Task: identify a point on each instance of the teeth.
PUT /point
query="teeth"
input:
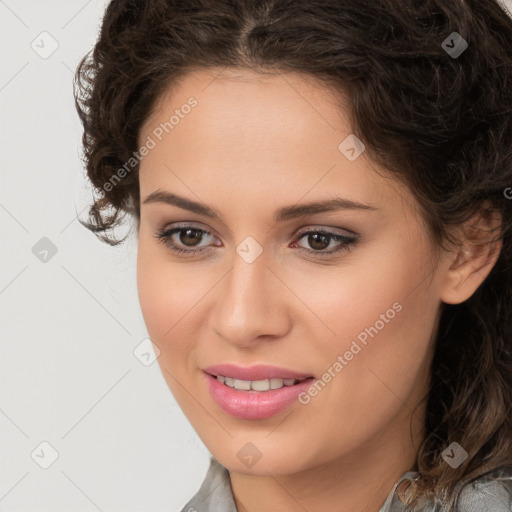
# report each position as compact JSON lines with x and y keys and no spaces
{"x":256,"y":385}
{"x":245,"y":385}
{"x":276,"y":383}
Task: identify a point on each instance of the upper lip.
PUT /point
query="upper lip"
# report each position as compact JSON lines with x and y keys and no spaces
{"x":256,"y":372}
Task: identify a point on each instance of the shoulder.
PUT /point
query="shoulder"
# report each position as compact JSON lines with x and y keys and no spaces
{"x":489,"y":493}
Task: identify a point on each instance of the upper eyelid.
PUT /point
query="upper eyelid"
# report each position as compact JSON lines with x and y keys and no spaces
{"x":185,"y":225}
{"x":330,"y":231}
{"x":300,"y":231}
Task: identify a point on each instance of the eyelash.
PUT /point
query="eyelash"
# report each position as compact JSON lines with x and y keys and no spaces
{"x":348,"y":241}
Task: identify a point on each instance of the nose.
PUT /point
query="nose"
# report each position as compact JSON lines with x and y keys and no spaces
{"x":251,"y":304}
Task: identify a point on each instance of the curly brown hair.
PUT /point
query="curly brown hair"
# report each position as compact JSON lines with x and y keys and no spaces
{"x":440,"y":122}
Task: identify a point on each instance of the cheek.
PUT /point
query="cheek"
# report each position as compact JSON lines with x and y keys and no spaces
{"x":165,"y":292}
{"x":172,"y":298}
{"x":379,"y":317}
{"x":368,"y":288}
{"x":170,"y":295}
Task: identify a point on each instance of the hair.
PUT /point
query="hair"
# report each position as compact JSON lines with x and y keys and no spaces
{"x":440,"y":123}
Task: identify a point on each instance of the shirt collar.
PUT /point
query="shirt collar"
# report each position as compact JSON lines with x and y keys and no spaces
{"x":216,"y":495}
{"x":492,"y":494}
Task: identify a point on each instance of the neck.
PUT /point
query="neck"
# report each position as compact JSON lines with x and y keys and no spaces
{"x":358,"y":481}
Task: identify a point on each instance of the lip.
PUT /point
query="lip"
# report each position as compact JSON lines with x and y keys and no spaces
{"x":256,"y":372}
{"x":254,"y":405}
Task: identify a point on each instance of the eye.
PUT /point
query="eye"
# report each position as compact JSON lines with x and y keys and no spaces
{"x":321,"y":239}
{"x":188,"y":240}
{"x":187,"y":236}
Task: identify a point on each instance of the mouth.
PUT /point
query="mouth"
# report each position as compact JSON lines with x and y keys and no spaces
{"x":255,"y":393}
{"x":257,"y":385}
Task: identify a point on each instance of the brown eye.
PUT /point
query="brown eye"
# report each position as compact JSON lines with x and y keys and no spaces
{"x":190,"y":237}
{"x":320,"y":240}
{"x":177,"y":239}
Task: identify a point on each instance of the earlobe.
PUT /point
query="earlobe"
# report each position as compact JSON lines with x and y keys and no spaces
{"x":472,"y":262}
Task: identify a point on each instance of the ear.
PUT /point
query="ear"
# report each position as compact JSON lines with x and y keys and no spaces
{"x":474,"y":257}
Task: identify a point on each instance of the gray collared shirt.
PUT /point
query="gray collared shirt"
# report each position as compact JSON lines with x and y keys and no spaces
{"x":481,"y":495}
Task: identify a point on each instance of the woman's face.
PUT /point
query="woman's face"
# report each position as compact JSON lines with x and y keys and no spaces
{"x":260,"y":177}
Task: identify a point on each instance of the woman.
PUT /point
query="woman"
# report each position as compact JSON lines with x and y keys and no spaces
{"x":321,"y":196}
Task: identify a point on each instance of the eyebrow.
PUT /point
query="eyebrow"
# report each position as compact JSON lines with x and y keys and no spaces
{"x":285,"y":213}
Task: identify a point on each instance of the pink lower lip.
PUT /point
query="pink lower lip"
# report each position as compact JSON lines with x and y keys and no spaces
{"x":254,"y":405}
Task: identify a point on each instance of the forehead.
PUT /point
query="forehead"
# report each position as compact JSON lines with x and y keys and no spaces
{"x":250,"y":134}
{"x":253,"y":107}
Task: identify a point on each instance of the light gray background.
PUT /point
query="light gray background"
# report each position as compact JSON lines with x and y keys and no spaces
{"x":70,"y":324}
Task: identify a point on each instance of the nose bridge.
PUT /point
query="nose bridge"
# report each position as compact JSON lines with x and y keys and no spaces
{"x":245,"y":291}
{"x":249,"y":304}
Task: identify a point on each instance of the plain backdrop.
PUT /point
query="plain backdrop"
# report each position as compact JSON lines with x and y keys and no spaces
{"x":70,"y":316}
{"x":85,"y":425}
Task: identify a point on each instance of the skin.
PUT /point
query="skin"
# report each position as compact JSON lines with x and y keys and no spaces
{"x":252,"y":145}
